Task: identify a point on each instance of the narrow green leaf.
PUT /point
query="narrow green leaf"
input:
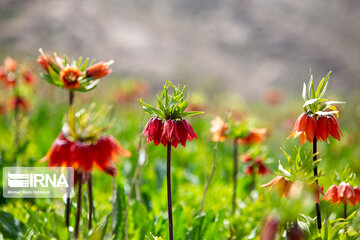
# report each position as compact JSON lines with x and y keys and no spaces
{"x":187,"y":114}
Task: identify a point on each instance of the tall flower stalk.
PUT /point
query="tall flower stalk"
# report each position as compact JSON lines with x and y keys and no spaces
{"x":317,"y":123}
{"x":168,"y":127}
{"x":76,"y":75}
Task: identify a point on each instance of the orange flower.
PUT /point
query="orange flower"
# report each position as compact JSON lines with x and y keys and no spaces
{"x":344,"y":193}
{"x":10,"y":64}
{"x":70,"y":77}
{"x":305,"y":127}
{"x":218,"y":129}
{"x":281,"y":184}
{"x":99,"y":70}
{"x":82,"y":156}
{"x":256,"y":136}
{"x":327,"y":126}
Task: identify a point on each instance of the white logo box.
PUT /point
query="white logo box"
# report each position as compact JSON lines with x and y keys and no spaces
{"x":38,"y":182}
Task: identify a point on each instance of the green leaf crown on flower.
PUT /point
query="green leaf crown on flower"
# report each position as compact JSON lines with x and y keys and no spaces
{"x":170,"y":106}
{"x":314,"y":99}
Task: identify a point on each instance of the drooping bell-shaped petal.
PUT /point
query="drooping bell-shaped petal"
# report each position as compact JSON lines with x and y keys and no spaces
{"x":59,"y":153}
{"x":305,"y":127}
{"x":346,"y":193}
{"x":334,"y":127}
{"x":322,"y":131}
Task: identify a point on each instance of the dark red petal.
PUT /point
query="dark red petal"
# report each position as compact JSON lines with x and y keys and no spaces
{"x":183,"y":132}
{"x":153,"y":128}
{"x":189,"y":128}
{"x":263,"y":169}
{"x":176,"y":133}
{"x":168,"y":129}
{"x":59,"y":154}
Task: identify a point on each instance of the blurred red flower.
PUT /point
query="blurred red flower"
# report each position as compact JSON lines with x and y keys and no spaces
{"x":255,"y":136}
{"x":70,"y":77}
{"x":19,"y":103}
{"x":254,"y":165}
{"x":172,"y":131}
{"x":82,"y":156}
{"x":99,"y":70}
{"x":29,"y":77}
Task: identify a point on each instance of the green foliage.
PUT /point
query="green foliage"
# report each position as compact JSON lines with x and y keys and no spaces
{"x":332,"y":229}
{"x":300,"y":166}
{"x":315,"y":101}
{"x":170,"y":106}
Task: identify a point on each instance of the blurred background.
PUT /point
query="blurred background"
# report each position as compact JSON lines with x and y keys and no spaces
{"x":243,"y":47}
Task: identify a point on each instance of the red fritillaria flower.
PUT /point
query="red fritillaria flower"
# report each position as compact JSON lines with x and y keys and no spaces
{"x":82,"y":156}
{"x":327,"y":126}
{"x":305,"y":127}
{"x":99,"y":70}
{"x":344,"y":193}
{"x":172,"y":131}
{"x":70,"y":77}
